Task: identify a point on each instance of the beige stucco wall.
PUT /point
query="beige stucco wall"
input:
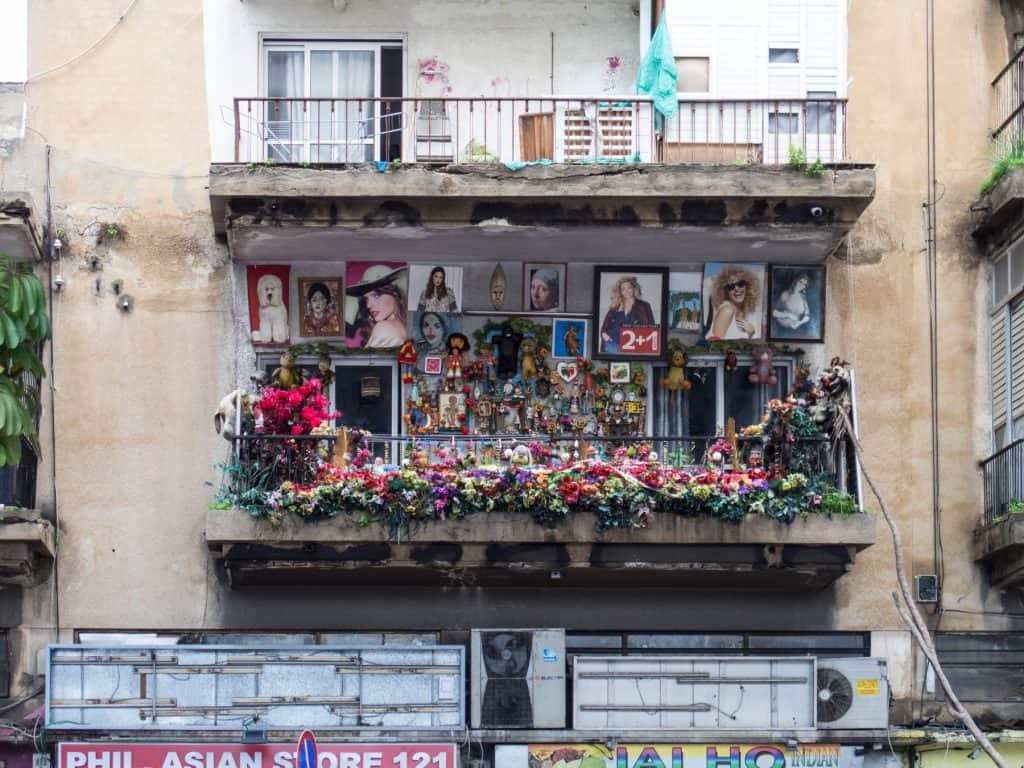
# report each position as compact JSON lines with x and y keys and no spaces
{"x":130,"y":136}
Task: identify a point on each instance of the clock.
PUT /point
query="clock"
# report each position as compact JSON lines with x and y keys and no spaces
{"x":618,"y":396}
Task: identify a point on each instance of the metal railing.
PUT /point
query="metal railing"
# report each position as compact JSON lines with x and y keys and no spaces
{"x":1003,"y":474}
{"x":264,"y":462}
{"x":523,"y":129}
{"x":1009,"y":97}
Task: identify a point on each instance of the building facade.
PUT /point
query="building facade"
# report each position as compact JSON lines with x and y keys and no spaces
{"x":216,"y":191}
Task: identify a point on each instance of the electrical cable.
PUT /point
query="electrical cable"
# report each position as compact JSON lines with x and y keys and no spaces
{"x":53,"y":398}
{"x":87,"y":51}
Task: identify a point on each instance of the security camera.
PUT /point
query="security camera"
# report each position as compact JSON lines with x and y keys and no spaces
{"x":58,"y":283}
{"x":817,"y":211}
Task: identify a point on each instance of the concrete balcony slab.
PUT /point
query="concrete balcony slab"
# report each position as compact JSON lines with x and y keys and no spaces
{"x":660,"y":212}
{"x":27,"y":550}
{"x":506,"y":550}
{"x":1001,"y":546}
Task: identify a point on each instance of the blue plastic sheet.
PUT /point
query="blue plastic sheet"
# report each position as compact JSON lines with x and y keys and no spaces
{"x":657,"y":76}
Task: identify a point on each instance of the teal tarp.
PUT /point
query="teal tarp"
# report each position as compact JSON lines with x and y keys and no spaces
{"x":657,"y":76}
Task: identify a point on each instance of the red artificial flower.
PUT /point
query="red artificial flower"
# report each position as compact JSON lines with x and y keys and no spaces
{"x":465,"y":430}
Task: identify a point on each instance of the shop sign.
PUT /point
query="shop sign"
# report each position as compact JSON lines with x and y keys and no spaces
{"x":683,"y":756}
{"x":129,"y":755}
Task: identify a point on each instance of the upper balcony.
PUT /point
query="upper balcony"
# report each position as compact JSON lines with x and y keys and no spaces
{"x":999,"y":540}
{"x":722,"y":177}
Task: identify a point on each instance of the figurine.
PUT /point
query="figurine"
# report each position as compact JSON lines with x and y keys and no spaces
{"x":571,"y":339}
{"x":527,"y":359}
{"x":325,"y":373}
{"x":287,"y":376}
{"x":407,"y":357}
{"x":457,"y":344}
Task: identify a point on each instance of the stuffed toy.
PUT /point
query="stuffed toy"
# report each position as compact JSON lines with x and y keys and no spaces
{"x":676,"y":378}
{"x":730,"y":361}
{"x":762,"y":371}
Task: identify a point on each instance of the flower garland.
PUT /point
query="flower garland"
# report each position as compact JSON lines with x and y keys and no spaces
{"x":622,"y":494}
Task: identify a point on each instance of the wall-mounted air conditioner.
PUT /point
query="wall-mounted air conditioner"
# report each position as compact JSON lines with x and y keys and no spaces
{"x":693,"y":692}
{"x":852,"y":693}
{"x":518,"y":678}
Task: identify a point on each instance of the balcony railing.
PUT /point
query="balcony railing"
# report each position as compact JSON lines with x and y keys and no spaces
{"x":1009,"y":96}
{"x":1004,"y":480}
{"x":562,"y":129}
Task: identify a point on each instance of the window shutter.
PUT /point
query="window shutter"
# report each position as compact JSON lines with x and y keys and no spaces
{"x":998,"y":367}
{"x":1016,"y":359}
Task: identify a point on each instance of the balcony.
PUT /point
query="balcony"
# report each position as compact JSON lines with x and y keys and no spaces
{"x":291,"y":513}
{"x":473,"y":174}
{"x":999,"y":540}
{"x":27,"y":547}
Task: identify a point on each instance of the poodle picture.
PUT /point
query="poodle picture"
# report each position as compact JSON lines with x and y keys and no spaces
{"x":272,"y":327}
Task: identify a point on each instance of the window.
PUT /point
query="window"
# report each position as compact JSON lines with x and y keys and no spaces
{"x":341,"y":122}
{"x":783,"y":122}
{"x":783,"y":55}
{"x":821,"y":115}
{"x":1006,"y":346}
{"x":715,"y":396}
{"x":694,"y":74}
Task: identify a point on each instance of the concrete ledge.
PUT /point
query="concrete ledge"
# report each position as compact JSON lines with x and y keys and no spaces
{"x":509,"y":550}
{"x":858,"y":531}
{"x":1001,"y":546}
{"x":1003,"y":207}
{"x":26,"y":551}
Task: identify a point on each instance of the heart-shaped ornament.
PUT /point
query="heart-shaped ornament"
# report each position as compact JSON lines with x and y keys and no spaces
{"x":567,"y":371}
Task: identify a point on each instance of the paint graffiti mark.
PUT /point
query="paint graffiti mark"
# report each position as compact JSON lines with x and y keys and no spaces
{"x":612,"y":74}
{"x":433,"y":73}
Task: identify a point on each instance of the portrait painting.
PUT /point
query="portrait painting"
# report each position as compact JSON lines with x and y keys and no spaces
{"x":267,"y":286}
{"x":733,"y":296}
{"x":319,"y":298}
{"x":568,"y":338}
{"x":543,"y":287}
{"x":435,"y":288}
{"x":376,"y":294}
{"x":684,"y":302}
{"x":630,"y":313}
{"x":796,"y":308}
{"x":451,"y":411}
{"x":429,"y":331}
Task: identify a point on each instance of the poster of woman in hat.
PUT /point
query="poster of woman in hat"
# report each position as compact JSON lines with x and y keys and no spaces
{"x":375,"y":304}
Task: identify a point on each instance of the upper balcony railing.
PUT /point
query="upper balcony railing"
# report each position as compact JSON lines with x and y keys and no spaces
{"x":1009,"y":95}
{"x":561,"y":129}
{"x":1003,"y":473}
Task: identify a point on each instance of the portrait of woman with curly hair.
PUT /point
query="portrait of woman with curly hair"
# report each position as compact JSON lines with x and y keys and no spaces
{"x":733,"y":298}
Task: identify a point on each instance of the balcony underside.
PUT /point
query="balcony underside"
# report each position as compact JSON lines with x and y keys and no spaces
{"x":663,"y":213}
{"x":27,"y":550}
{"x":1001,"y":546}
{"x":504,"y":550}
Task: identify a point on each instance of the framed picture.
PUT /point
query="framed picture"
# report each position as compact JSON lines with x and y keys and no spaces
{"x":796,"y":307}
{"x":451,"y":411}
{"x":543,"y":287}
{"x":375,"y":304}
{"x":568,"y":338}
{"x":434,"y":288}
{"x":319,"y":297}
{"x":684,"y":302}
{"x":733,"y":301}
{"x":432,"y":365}
{"x":630,"y":315}
{"x":618,"y":373}
{"x":267,"y":287}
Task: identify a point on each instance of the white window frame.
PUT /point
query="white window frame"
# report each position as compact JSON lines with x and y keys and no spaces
{"x":308,"y":46}
{"x":717,"y":361}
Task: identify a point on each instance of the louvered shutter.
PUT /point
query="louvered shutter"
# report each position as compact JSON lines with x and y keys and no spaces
{"x":999,"y":368}
{"x":1016,"y":360}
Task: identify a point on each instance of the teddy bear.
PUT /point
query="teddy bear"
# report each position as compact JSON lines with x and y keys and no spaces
{"x":676,"y":378}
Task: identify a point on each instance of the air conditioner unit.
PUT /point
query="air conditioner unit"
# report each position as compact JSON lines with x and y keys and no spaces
{"x":518,"y":678}
{"x":852,"y":693}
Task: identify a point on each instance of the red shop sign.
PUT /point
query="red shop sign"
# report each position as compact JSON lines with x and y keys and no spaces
{"x":129,"y":755}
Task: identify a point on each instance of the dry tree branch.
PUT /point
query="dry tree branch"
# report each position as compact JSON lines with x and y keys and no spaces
{"x":907,"y":609}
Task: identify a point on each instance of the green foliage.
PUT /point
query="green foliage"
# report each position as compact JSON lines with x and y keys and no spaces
{"x":798,"y":160}
{"x":1007,"y":155}
{"x":24,"y":326}
{"x":816,"y":169}
{"x":1016,"y":507}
